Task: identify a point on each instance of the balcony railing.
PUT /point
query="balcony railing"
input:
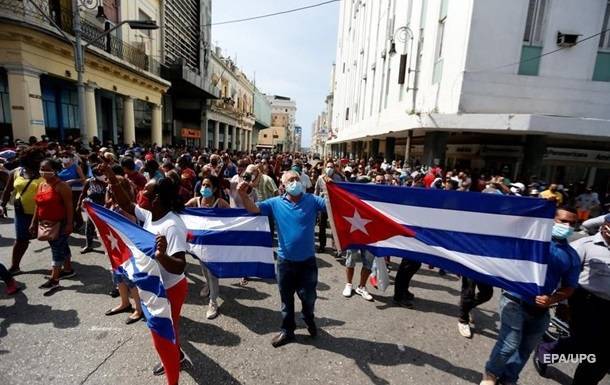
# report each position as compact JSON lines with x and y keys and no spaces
{"x":24,"y":11}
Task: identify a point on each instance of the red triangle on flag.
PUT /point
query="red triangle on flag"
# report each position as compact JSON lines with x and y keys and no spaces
{"x":117,"y":250}
{"x":358,"y":223}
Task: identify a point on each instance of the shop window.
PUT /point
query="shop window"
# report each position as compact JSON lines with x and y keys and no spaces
{"x":5,"y":105}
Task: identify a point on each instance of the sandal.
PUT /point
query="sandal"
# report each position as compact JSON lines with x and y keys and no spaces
{"x":127,"y":309}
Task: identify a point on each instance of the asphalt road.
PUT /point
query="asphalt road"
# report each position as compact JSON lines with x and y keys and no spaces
{"x":66,"y":339}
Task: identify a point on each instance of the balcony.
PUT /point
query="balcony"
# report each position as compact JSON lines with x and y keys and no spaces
{"x":23,"y":11}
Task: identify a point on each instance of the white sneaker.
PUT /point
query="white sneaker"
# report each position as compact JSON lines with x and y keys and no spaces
{"x":364,"y":294}
{"x":464,"y":330}
{"x":347,"y":292}
{"x":212,"y":310}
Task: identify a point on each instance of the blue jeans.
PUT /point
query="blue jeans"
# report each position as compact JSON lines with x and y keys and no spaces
{"x":520,"y":332}
{"x":300,"y":278}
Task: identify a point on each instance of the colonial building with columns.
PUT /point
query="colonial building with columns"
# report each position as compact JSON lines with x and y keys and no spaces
{"x":230,"y":119}
{"x":521,"y":86}
{"x":38,"y":96}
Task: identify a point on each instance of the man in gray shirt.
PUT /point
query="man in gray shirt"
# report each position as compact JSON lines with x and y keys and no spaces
{"x":590,"y":309}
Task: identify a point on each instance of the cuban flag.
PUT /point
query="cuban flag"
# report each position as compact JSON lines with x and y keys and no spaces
{"x":500,"y":240}
{"x":232,"y":243}
{"x":131,"y":250}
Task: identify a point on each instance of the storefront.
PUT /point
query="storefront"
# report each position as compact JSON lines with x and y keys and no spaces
{"x":568,"y":165}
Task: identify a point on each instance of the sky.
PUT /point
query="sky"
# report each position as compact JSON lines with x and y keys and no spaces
{"x":291,"y":54}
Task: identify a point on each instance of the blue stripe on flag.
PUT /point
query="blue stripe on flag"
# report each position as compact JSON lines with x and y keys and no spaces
{"x":453,"y":200}
{"x":484,"y":245}
{"x":159,"y":325}
{"x":527,"y":288}
{"x":221,"y":213}
{"x":241,"y":269}
{"x":230,"y":238}
{"x":149,"y":283}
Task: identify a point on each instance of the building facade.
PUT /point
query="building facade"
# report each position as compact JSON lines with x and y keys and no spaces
{"x":298,"y":135}
{"x":493,"y":84}
{"x":123,"y":94}
{"x":283,"y":118}
{"x":322,"y":126}
{"x":230,"y":119}
{"x":186,"y":56}
{"x":262,"y":115}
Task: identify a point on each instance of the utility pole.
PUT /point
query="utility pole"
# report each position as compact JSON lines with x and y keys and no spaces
{"x":80,"y":71}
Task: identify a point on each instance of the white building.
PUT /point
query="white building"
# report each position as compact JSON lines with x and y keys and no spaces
{"x":283,"y":114}
{"x":477,"y":83}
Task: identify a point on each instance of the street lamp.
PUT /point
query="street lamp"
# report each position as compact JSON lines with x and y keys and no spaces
{"x":79,"y":54}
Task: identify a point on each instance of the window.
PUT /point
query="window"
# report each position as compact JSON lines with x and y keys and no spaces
{"x":533,"y":38}
{"x":144,"y":17}
{"x":604,"y":40}
{"x":602,"y":63}
{"x":534,"y":23}
{"x":440,"y":37}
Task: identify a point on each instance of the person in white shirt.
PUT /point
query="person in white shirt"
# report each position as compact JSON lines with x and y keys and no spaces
{"x":157,"y":210}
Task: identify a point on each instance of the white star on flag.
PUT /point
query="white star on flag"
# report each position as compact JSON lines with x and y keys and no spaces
{"x":114,"y":243}
{"x":357,"y":222}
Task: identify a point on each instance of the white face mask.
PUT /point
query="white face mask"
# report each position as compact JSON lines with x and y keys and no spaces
{"x":101,"y":178}
{"x":66,"y":160}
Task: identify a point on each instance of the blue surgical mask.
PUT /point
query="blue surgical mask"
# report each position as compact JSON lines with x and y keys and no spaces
{"x":562,"y":231}
{"x":206,"y":192}
{"x":295,"y":188}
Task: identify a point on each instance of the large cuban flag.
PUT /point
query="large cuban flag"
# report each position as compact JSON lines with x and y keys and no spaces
{"x":500,"y":240}
{"x":231,"y":242}
{"x":131,"y":250}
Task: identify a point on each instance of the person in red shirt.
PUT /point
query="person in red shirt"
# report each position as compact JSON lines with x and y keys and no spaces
{"x":54,"y":205}
{"x":138,"y":180}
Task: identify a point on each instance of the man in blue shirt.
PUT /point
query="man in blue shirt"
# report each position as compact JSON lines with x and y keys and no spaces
{"x":295,"y":215}
{"x":524,"y":320}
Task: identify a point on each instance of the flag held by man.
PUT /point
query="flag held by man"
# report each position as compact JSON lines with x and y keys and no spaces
{"x":231,"y":242}
{"x":498,"y":240}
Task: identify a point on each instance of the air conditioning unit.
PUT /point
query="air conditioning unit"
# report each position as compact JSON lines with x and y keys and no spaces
{"x":567,"y":39}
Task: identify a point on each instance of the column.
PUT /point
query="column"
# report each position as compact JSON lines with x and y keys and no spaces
{"x":90,"y":112}
{"x":435,"y":146}
{"x":129,"y":121}
{"x":249,"y":141}
{"x":390,"y":148}
{"x":203,"y":141}
{"x":26,"y":102}
{"x":156,"y":129}
{"x":375,"y":148}
{"x":226,"y":142}
{"x":535,"y":148}
{"x":216,"y":134}
{"x":233,"y":138}
{"x":238,"y":143}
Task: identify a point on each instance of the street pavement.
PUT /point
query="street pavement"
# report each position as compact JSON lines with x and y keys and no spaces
{"x":66,"y":339}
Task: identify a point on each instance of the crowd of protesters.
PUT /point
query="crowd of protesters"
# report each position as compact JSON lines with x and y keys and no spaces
{"x":47,"y":183}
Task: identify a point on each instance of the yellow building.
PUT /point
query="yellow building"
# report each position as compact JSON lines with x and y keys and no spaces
{"x":231,"y":117}
{"x":38,"y":94}
{"x":273,"y":137}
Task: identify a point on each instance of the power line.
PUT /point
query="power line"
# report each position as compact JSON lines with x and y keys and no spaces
{"x":541,"y":55}
{"x":272,"y":14}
